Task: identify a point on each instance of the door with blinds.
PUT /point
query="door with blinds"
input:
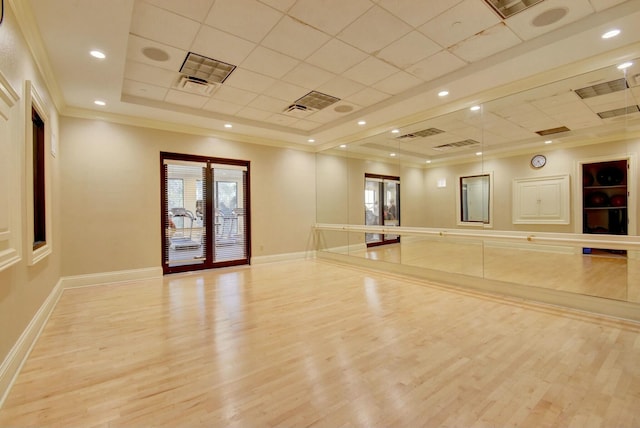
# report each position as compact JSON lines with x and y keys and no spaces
{"x":205,"y":212}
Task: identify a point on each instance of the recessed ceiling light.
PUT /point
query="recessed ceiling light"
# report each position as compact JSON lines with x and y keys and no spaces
{"x":97,"y":54}
{"x":311,"y":140}
{"x":478,"y":153}
{"x":625,"y":65}
{"x":100,"y":103}
{"x":342,"y":146}
{"x":362,"y":122}
{"x":548,"y":142}
{"x":228,"y":125}
{"x":443,"y":93}
{"x":475,"y":108}
{"x":395,"y":131}
{"x":611,"y":33}
{"x":428,"y":161}
{"x":392,"y":155}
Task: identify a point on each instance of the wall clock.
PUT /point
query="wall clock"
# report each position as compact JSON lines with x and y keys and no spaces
{"x":538,"y":161}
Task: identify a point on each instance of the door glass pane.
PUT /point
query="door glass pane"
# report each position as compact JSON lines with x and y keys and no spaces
{"x":184,"y":226}
{"x":391,"y":208}
{"x":372,"y":214}
{"x":229,"y":199}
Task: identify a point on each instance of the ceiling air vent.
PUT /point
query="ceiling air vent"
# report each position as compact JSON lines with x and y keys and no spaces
{"x":298,"y":110}
{"x":506,"y":8}
{"x":208,"y":69}
{"x":196,"y":86}
{"x":553,"y":131}
{"x":424,"y":133}
{"x":602,"y":88}
{"x":316,"y":100}
{"x":618,"y":112}
{"x":457,"y":144}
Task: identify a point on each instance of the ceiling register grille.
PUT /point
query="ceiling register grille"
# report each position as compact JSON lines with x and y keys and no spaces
{"x":456,"y":145}
{"x":603,"y":88}
{"x":207,"y":69}
{"x":507,"y":8}
{"x":424,"y":133}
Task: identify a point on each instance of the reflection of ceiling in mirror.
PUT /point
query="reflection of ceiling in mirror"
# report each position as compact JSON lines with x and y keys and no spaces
{"x":586,"y":107}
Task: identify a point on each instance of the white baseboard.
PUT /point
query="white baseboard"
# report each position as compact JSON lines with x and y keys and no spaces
{"x":110,"y":277}
{"x":300,"y":255}
{"x":12,"y":364}
{"x":18,"y":354}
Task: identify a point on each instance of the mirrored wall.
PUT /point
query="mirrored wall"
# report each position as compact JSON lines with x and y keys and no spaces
{"x":537,"y":190}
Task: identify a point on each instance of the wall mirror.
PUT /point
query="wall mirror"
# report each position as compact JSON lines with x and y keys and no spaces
{"x":474,"y":199}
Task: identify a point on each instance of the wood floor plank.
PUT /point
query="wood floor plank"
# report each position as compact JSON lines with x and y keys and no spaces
{"x":313,"y":343}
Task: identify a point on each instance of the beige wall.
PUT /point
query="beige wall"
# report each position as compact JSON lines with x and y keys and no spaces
{"x":424,"y":204}
{"x":24,"y":288}
{"x":111,"y":194}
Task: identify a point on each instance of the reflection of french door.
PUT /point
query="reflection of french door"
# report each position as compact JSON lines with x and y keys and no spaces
{"x":381,"y":207}
{"x":205,"y":212}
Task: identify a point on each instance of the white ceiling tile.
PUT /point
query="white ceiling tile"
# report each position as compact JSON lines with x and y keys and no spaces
{"x":234,"y":95}
{"x":416,"y":12}
{"x":397,"y":83}
{"x":340,"y":87}
{"x":370,"y":71}
{"x":193,"y":9}
{"x":149,"y":74}
{"x":330,"y":114}
{"x":286,"y":91}
{"x":271,"y":104}
{"x":522,"y":23}
{"x":367,"y":97}
{"x":137,"y":44}
{"x":219,"y":106}
{"x":336,"y":56}
{"x":305,"y":125}
{"x":436,"y":65}
{"x":165,"y":27}
{"x":486,"y":43}
{"x":281,"y":5}
{"x":221,"y":46}
{"x":308,"y":76}
{"x":330,"y":16}
{"x":460,"y":22}
{"x":281,"y":119}
{"x":249,"y":81}
{"x":374,"y":30}
{"x":605,"y":4}
{"x":175,"y":96}
{"x":253,"y":113}
{"x":144,"y":90}
{"x":269,"y":62}
{"x":248,"y":19}
{"x":408,"y":50}
{"x":295,"y":39}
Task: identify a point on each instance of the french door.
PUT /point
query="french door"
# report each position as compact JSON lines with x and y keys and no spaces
{"x":382,"y":207}
{"x":205,"y":212}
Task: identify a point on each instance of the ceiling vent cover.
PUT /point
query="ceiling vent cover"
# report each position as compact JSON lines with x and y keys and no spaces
{"x":297,"y":110}
{"x":423,"y":133}
{"x":208,"y":69}
{"x":455,"y":145}
{"x":315,"y":100}
{"x":603,"y":88}
{"x":618,"y":112}
{"x":553,"y":131}
{"x":196,"y":86}
{"x":507,"y":8}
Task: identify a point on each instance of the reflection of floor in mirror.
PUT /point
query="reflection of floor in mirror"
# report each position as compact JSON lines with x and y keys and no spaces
{"x":309,"y":342}
{"x":593,"y":275}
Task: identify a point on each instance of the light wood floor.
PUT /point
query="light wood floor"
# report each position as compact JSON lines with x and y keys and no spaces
{"x":311,"y":343}
{"x":609,"y":276}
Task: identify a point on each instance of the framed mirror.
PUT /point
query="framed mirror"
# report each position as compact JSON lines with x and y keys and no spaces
{"x":474,"y":200}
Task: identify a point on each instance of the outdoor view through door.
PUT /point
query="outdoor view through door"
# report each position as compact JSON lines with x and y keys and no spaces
{"x":205,"y":212}
{"x":381,"y":207}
